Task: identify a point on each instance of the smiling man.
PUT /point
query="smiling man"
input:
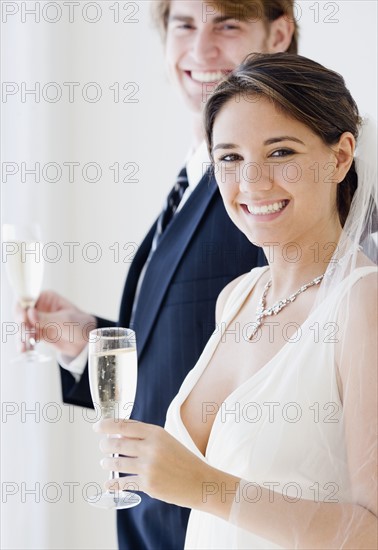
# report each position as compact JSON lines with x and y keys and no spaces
{"x":206,"y":40}
{"x":191,"y":252}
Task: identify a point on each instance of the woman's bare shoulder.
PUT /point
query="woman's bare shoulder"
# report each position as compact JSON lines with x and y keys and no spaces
{"x":227,"y":291}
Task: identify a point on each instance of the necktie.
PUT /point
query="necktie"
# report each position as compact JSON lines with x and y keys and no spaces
{"x":173,"y":200}
{"x":171,"y":205}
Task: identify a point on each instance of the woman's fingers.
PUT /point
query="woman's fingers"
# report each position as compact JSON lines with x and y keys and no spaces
{"x":159,"y":464}
{"x":126,"y":428}
{"x":128,"y":483}
{"x":122,"y":446}
{"x":123,"y":464}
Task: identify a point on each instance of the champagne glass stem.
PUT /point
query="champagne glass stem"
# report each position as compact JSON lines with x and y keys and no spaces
{"x":30,"y":340}
{"x":113,"y":475}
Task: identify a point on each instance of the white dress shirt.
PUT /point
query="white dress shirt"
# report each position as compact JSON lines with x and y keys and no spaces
{"x":197,"y":163}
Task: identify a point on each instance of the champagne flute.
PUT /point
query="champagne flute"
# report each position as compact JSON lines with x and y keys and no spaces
{"x":22,"y":253}
{"x":113,"y":380}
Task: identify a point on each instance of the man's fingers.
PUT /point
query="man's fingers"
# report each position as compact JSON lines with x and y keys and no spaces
{"x":21,"y":314}
{"x":39,"y":322}
{"x":50,"y":301}
{"x":32,"y":315}
{"x":47,"y":326}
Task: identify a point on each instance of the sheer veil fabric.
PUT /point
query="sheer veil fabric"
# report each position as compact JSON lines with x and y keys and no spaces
{"x":286,"y":431}
{"x":308,"y":465}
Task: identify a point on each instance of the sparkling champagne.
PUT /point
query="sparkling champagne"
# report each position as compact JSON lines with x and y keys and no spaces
{"x":113,"y":380}
{"x":25,"y":272}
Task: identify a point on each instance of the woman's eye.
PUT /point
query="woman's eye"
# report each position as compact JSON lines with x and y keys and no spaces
{"x":232,"y":157}
{"x":282,"y":153}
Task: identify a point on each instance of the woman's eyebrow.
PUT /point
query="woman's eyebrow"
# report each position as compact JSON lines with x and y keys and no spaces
{"x":224,"y":146}
{"x":269,"y":141}
{"x":282,"y":138}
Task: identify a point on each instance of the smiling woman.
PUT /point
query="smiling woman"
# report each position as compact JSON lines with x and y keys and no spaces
{"x":266,"y":178}
{"x":272,"y":436}
{"x":302,"y":105}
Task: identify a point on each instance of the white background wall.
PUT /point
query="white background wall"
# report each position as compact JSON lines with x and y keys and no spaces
{"x":38,"y":453}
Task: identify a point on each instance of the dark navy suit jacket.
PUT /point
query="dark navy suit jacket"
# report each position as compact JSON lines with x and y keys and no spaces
{"x":199,"y":253}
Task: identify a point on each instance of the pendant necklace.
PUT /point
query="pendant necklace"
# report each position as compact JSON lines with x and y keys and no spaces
{"x":262,"y":312}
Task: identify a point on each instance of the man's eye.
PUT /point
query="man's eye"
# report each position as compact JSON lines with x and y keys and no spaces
{"x":229,"y":27}
{"x":179,"y":26}
{"x":282,"y":153}
{"x":185,"y":26}
{"x":229,"y":24}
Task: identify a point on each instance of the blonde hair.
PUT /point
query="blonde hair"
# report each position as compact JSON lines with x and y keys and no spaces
{"x":243,"y":10}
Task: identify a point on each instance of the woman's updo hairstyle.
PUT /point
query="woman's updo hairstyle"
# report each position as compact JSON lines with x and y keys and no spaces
{"x":303,"y":89}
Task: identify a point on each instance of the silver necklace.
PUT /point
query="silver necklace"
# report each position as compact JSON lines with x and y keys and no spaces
{"x":262,"y":311}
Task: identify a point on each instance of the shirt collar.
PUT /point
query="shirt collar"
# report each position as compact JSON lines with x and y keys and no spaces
{"x":197,"y":163}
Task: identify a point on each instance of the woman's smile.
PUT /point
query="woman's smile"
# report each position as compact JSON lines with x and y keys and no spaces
{"x":269,"y":210}
{"x":264,"y":166}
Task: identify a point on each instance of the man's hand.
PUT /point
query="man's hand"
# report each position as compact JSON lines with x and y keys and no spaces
{"x":59,"y":323}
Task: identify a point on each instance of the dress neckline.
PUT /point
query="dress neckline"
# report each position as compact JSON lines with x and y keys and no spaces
{"x":254,"y":377}
{"x":229,"y":318}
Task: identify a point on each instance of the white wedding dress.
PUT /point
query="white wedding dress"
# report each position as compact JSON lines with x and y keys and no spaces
{"x":282,"y":428}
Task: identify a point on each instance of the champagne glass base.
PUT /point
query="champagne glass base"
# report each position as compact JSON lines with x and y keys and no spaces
{"x":31,"y":356}
{"x":117,"y":500}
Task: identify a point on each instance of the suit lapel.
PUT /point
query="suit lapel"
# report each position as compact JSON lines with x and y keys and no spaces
{"x":167,"y":256}
{"x":133,"y":275}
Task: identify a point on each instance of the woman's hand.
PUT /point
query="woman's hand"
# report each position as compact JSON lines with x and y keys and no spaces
{"x":159,"y":465}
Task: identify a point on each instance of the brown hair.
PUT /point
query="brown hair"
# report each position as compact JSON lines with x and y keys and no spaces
{"x":243,"y":10}
{"x":303,"y":89}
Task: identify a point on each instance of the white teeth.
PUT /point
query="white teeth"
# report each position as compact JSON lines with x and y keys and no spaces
{"x":266,"y":208}
{"x":208,"y":76}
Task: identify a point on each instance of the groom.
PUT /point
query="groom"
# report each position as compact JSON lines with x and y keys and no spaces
{"x":190,"y":253}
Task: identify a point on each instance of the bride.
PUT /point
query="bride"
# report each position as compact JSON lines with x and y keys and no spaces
{"x":271,"y":439}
